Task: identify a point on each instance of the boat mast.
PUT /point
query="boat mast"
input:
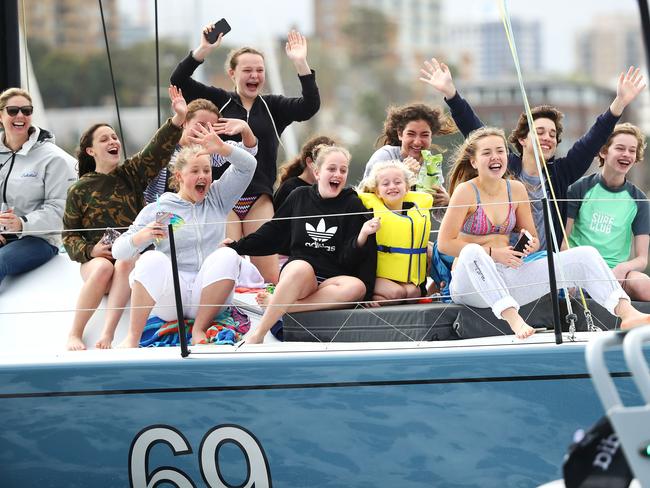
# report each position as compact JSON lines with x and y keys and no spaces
{"x":9,"y":45}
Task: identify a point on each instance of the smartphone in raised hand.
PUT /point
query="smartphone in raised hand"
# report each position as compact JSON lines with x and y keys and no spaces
{"x":220,"y":27}
{"x":524,"y":239}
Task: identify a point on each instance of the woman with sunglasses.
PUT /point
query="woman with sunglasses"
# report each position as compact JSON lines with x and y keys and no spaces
{"x":34,"y":178}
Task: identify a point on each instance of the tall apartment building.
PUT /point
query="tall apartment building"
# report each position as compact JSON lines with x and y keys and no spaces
{"x":607,"y":46}
{"x":73,"y":25}
{"x":418,"y":25}
{"x":480,"y":50}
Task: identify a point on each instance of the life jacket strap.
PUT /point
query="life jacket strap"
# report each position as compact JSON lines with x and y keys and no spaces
{"x":401,"y":250}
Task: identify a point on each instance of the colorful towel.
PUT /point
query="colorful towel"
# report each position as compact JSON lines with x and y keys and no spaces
{"x":227,"y":328}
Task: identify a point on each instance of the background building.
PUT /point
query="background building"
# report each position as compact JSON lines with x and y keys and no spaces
{"x":480,"y":51}
{"x":71,"y":25}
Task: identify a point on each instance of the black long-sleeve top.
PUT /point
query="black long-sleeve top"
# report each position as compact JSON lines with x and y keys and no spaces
{"x":268,"y":115}
{"x":326,"y":237}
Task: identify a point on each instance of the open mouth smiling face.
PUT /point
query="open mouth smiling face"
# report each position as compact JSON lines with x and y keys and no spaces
{"x":195,"y":179}
{"x":491,"y":156}
{"x":249,"y":75}
{"x":18,"y":123}
{"x":621,"y":153}
{"x":391,"y":187}
{"x":332,"y":175}
{"x":415,"y":137}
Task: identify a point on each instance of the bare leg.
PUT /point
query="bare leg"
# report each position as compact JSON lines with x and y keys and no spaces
{"x":637,"y":286}
{"x":298,"y":286}
{"x":141,"y":305}
{"x":212,"y":299}
{"x":260,"y":212}
{"x":234,"y":227}
{"x":96,"y":274}
{"x":516,"y":322}
{"x":298,"y":281}
{"x":118,"y":295}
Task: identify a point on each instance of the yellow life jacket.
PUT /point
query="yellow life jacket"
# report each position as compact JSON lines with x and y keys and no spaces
{"x":402,"y":239}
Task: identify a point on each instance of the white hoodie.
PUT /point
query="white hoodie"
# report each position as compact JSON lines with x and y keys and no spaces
{"x":34,"y":181}
{"x":203,"y":226}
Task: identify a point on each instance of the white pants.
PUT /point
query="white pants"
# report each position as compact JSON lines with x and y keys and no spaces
{"x":478,"y":281}
{"x":154,"y":271}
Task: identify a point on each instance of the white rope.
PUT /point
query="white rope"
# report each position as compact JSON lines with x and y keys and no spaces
{"x":314,"y":305}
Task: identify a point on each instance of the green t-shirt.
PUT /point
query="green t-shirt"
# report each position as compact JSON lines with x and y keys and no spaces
{"x":610,"y":224}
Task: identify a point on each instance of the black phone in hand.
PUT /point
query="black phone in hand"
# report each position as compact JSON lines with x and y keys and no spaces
{"x":220,"y":27}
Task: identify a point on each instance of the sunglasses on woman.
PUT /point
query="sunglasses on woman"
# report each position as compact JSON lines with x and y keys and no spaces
{"x":27,"y":110}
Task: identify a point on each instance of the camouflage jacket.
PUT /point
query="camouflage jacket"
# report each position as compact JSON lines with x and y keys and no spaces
{"x":98,"y":200}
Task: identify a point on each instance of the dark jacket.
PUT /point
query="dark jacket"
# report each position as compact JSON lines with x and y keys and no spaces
{"x":563,"y":171}
{"x":285,"y":189}
{"x":326,"y":238}
{"x":268,"y":117}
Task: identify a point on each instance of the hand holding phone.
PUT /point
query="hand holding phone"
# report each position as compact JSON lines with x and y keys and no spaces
{"x":220,"y":27}
{"x":524,"y":239}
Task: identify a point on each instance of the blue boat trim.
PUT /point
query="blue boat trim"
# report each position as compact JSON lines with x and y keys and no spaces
{"x":351,"y":384}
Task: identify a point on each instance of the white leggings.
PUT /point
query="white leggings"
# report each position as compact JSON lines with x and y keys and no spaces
{"x":154,"y":271}
{"x":478,"y":281}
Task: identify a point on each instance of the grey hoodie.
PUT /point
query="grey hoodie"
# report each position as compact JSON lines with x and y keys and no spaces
{"x":34,"y":181}
{"x":203,"y":226}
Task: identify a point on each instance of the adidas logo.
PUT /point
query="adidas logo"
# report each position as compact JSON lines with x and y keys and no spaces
{"x":320,"y":233}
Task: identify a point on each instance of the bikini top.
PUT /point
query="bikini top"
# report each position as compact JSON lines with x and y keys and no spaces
{"x":478,"y":223}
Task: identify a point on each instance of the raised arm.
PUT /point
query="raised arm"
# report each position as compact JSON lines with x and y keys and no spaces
{"x":439,"y":77}
{"x":629,"y":85}
{"x":145,"y":165}
{"x":182,"y":75}
{"x":296,"y":49}
{"x":581,"y":155}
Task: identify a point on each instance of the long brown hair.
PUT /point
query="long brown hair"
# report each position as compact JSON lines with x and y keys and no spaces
{"x":398,"y":118}
{"x":463,"y":170}
{"x":86,"y":161}
{"x":295,"y":166}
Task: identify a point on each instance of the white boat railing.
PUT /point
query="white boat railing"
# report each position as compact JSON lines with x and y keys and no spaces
{"x":631,"y":424}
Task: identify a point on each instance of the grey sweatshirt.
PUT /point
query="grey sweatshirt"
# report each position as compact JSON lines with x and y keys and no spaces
{"x":194,"y":239}
{"x":34,"y":181}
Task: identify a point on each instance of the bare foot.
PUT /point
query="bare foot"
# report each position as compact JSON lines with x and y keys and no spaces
{"x":104,"y":342}
{"x":129,"y":342}
{"x":198,"y":336}
{"x":263,"y":299}
{"x":75,"y":344}
{"x":635,"y":319}
{"x":524,"y":331}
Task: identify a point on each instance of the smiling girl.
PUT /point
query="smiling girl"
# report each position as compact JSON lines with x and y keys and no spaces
{"x":403,"y":225}
{"x":207,"y":275}
{"x":109,"y":195}
{"x":332,"y":260}
{"x":484,"y":209}
{"x":267,"y":115}
{"x":408,"y":130}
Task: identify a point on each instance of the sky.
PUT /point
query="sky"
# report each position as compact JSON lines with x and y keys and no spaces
{"x":252,"y":19}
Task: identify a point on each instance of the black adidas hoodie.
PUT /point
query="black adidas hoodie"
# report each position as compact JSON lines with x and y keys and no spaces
{"x":326,"y":237}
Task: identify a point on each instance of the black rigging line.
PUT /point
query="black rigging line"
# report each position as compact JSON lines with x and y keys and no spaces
{"x":155,"y":6}
{"x":110,"y":67}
